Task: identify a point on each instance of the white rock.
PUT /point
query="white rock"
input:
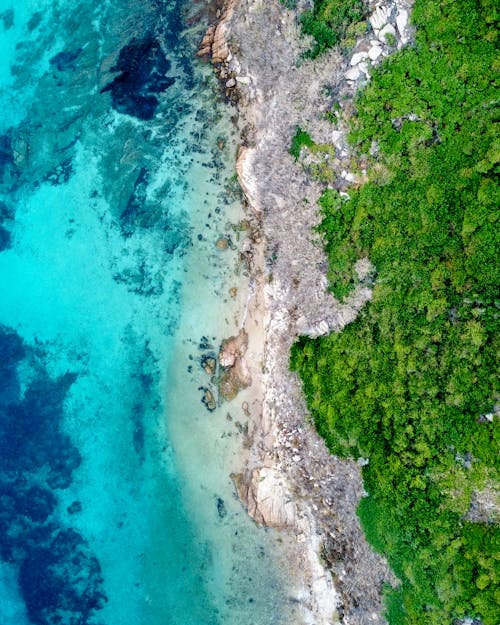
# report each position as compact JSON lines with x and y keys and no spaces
{"x":336,"y":135}
{"x":378,"y":18}
{"x":387,"y":30}
{"x":402,"y":20}
{"x":358,"y":57}
{"x":353,"y":74}
{"x":230,"y":83}
{"x":243,"y":80}
{"x":364,"y":68}
{"x":347,"y":175}
{"x":374,"y":52}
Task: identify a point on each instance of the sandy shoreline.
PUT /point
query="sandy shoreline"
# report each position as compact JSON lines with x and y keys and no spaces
{"x":290,"y":481}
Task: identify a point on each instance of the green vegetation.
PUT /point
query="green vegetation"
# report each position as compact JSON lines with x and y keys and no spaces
{"x":412,"y":383}
{"x":333,"y":21}
{"x":300,"y":139}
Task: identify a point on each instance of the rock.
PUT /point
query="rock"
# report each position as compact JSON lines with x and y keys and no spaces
{"x":233,"y":348}
{"x":222,"y":243}
{"x":387,"y":30}
{"x":244,"y":172}
{"x":204,"y":51}
{"x":220,"y":49}
{"x":267,"y":497}
{"x":402,"y":20}
{"x":209,"y":364}
{"x":374,"y":52}
{"x":231,"y":83}
{"x":233,"y":291}
{"x":221,"y":508}
{"x":379,"y":17}
{"x":243,"y":80}
{"x":208,"y":399}
{"x":363,"y":68}
{"x":235,"y":374}
{"x":357,"y":57}
{"x":353,"y":74}
{"x":75,"y":507}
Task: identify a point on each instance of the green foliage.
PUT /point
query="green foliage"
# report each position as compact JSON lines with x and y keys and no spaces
{"x":330,"y":20}
{"x":300,"y":139}
{"x":405,"y":384}
{"x":289,"y":4}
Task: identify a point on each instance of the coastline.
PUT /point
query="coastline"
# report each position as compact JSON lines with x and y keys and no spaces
{"x":290,"y":481}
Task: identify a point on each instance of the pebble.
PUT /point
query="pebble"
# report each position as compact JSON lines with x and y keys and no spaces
{"x":222,"y":243}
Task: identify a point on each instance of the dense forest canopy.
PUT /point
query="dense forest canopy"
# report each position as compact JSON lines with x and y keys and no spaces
{"x":412,"y":384}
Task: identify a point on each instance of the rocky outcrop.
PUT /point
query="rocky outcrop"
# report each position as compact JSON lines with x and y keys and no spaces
{"x":291,"y":481}
{"x":235,"y":374}
{"x":267,"y":497}
{"x":243,"y":171}
{"x":215,"y":46}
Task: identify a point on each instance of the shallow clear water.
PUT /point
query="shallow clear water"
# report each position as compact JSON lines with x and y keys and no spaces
{"x":115,"y":160}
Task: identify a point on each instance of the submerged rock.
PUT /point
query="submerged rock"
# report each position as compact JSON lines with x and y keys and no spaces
{"x":209,"y":364}
{"x":208,"y":399}
{"x":221,"y":508}
{"x":222,"y":243}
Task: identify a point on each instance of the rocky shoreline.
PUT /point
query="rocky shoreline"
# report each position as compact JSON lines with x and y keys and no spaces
{"x":290,"y":480}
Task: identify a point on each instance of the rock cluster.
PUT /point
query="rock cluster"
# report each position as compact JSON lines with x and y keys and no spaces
{"x":389,"y":23}
{"x":214,"y":46}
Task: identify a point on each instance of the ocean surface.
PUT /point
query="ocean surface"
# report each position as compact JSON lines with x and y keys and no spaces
{"x":116,"y":181}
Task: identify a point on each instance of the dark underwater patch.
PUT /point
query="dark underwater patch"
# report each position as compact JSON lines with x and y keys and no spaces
{"x":65,"y":60}
{"x":5,"y":237}
{"x":59,"y":577}
{"x":8,"y":168}
{"x":142,"y":65}
{"x":135,"y":213}
{"x":6,"y":155}
{"x":7,"y":18}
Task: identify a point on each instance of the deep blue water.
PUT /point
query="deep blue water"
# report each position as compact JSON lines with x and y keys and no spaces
{"x":104,"y":117}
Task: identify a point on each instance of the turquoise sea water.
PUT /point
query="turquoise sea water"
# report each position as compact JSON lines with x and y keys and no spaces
{"x":116,"y":502}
